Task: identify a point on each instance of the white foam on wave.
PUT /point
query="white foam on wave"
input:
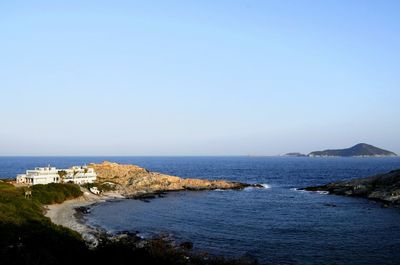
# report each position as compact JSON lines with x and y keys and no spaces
{"x":266,"y":186}
{"x":323,"y":192}
{"x":298,"y":190}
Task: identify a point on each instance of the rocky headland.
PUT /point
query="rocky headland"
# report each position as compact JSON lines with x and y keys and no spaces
{"x":132,"y":180}
{"x":382,"y":187}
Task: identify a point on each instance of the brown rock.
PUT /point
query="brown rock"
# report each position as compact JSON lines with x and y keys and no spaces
{"x":132,"y":180}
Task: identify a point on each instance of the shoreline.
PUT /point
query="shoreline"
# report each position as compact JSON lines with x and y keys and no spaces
{"x":66,"y":214}
{"x":70,"y":213}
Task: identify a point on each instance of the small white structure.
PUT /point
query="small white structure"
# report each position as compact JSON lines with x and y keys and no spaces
{"x":46,"y":175}
{"x":94,"y":190}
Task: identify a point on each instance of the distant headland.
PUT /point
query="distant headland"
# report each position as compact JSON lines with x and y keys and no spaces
{"x":358,"y":150}
{"x":296,"y":154}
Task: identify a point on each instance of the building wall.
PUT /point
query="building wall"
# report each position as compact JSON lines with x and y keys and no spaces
{"x":81,"y":178}
{"x":75,"y":174}
{"x":44,"y":179}
{"x":21,"y":178}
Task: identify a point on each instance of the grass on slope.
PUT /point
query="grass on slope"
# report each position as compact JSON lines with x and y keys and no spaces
{"x":26,"y":235}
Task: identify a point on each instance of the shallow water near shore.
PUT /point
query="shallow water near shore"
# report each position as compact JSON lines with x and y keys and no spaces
{"x":277,"y":224}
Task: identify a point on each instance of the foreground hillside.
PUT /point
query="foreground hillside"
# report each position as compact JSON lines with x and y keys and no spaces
{"x":131,"y":180}
{"x":383,"y":187}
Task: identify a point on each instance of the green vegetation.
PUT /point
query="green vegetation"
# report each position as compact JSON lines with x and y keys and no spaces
{"x":27,"y":236}
{"x":55,"y":192}
{"x":14,"y":208}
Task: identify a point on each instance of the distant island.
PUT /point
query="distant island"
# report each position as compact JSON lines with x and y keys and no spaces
{"x":357,"y":150}
{"x":295,"y":154}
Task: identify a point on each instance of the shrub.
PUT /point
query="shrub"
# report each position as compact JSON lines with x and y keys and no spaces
{"x":55,"y":192}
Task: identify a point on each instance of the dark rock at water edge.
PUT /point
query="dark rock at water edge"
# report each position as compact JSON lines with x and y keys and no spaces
{"x":382,"y":187}
{"x":82,"y":209}
{"x":186,"y":245}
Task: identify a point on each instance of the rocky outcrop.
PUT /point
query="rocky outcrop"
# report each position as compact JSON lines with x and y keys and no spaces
{"x":131,"y":180}
{"x":383,"y":187}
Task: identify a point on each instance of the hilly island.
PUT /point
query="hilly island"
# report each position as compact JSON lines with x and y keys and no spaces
{"x":358,"y":150}
{"x":361,"y":149}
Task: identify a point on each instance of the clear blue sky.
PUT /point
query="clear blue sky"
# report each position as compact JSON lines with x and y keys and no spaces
{"x":198,"y":77}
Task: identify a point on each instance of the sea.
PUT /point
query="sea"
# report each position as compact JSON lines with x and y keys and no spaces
{"x":277,"y":224}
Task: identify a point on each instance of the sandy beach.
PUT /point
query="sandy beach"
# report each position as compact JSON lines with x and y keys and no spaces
{"x":65,"y":214}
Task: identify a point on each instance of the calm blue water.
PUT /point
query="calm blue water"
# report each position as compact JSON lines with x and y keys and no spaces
{"x":277,"y":225}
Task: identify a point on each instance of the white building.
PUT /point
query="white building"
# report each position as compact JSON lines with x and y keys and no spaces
{"x":46,"y":175}
{"x":39,"y":175}
{"x":79,"y":175}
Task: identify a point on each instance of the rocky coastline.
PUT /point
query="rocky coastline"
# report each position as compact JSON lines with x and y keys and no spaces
{"x":127,"y":182}
{"x":384,"y":188}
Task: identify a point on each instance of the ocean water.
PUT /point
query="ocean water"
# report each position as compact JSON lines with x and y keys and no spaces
{"x":276,"y":225}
